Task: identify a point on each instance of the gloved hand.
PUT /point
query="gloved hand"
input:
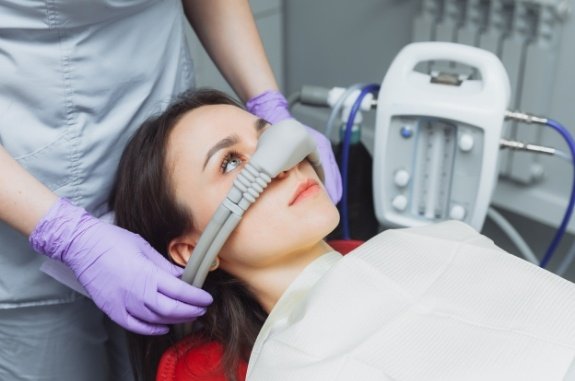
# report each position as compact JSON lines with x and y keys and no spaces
{"x":129,"y":280}
{"x":273,"y":107}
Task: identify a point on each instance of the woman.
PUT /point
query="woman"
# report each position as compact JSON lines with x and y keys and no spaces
{"x":362,"y":316}
{"x":173,"y":144}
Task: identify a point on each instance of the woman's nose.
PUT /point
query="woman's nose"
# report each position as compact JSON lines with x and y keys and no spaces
{"x":284,"y":174}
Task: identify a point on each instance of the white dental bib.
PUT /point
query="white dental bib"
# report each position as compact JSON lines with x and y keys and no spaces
{"x":440,"y":302}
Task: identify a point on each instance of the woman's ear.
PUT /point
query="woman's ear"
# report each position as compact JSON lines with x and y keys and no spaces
{"x":180,"y":249}
{"x":215,"y":264}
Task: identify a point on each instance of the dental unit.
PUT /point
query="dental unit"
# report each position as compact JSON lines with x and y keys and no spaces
{"x":444,"y":113}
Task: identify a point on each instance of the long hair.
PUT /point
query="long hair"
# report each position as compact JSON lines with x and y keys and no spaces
{"x":144,"y":202}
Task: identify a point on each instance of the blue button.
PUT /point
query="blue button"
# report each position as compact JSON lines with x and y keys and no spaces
{"x":406,"y":132}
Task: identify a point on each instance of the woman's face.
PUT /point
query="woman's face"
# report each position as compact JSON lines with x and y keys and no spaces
{"x":207,"y":149}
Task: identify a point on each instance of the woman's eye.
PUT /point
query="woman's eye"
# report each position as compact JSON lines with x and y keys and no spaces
{"x":231,"y":162}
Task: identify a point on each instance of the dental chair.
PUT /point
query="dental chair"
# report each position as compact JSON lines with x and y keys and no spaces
{"x":344,"y":246}
{"x":185,"y":361}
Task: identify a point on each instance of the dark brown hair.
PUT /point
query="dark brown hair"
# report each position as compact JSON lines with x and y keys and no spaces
{"x":144,"y":202}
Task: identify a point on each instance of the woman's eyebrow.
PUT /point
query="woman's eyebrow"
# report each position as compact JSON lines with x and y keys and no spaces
{"x":260,"y":125}
{"x":231,"y":140}
{"x":224,"y":143}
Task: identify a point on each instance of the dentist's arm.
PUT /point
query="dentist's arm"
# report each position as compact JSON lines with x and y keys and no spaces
{"x":125,"y":277}
{"x":23,"y":199}
{"x":229,"y":34}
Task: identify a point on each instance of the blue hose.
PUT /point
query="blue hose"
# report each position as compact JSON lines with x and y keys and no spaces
{"x":372,"y":88}
{"x":567,"y":216}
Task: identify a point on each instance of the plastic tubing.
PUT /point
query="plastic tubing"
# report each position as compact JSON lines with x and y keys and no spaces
{"x":567,"y":216}
{"x":372,"y":88}
{"x":513,"y":235}
{"x":337,"y":108}
{"x":564,"y":156}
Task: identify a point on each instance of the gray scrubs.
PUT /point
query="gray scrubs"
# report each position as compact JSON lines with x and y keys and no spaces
{"x":76,"y":78}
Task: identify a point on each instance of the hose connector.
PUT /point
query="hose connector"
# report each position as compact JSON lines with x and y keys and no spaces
{"x":520,"y":146}
{"x":525,"y":118}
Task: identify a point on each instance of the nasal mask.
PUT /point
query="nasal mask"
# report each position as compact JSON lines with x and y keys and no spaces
{"x":280,"y":147}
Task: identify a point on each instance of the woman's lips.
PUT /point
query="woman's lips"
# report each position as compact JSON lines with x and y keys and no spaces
{"x":304,"y":190}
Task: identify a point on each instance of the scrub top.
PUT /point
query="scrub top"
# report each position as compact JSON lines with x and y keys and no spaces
{"x":76,"y":79}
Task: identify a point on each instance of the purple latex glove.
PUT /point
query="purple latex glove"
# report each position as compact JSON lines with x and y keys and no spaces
{"x":273,"y":107}
{"x":130,"y":281}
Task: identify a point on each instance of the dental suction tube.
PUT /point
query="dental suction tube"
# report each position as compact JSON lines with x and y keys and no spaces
{"x":280,"y":147}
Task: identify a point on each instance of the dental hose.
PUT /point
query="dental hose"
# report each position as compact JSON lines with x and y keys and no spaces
{"x":569,"y":210}
{"x":337,"y":108}
{"x":567,"y":216}
{"x":372,"y":88}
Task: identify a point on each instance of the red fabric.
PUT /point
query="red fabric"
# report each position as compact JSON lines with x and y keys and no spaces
{"x":344,"y":246}
{"x":189,"y":361}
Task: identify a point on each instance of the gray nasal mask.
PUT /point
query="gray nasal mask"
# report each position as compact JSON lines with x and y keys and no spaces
{"x":280,"y":147}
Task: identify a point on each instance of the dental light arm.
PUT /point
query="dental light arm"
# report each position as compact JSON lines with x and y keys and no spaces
{"x":280,"y":147}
